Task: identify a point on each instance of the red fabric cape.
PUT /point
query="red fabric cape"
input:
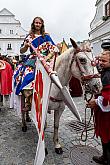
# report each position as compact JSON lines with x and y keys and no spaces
{"x":6,"y":79}
{"x":102,"y":124}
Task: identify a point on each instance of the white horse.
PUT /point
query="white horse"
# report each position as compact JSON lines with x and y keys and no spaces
{"x":73,"y":62}
{"x":77,"y":63}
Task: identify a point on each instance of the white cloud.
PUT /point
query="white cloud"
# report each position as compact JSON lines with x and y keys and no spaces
{"x":63,"y":18}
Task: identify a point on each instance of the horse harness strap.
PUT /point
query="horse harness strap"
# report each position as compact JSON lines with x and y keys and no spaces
{"x":84,"y":77}
{"x":55,"y":100}
{"x":88,"y":77}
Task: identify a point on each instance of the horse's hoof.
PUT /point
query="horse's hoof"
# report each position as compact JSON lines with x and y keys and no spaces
{"x":46,"y":152}
{"x":59,"y":150}
{"x":24,"y":128}
{"x":28,"y":119}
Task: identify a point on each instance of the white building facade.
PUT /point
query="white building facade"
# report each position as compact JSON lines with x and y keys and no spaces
{"x":100,"y":25}
{"x":11,"y":34}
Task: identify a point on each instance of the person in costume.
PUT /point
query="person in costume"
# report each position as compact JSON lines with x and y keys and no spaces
{"x":101,"y":109}
{"x":24,"y":73}
{"x":39,"y":39}
{"x":6,"y":73}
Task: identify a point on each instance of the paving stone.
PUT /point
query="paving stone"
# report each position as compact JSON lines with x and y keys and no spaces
{"x":18,"y":148}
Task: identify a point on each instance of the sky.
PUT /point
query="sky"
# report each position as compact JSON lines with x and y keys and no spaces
{"x":63,"y":18}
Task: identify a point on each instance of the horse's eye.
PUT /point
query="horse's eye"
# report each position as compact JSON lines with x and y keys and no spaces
{"x":83,"y":60}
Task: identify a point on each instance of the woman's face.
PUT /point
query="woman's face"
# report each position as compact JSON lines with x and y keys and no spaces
{"x":37,"y":24}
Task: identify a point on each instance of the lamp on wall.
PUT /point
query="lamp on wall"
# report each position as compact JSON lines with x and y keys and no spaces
{"x":104,"y":18}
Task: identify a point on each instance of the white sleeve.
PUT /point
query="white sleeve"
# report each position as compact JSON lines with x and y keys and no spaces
{"x":99,"y":101}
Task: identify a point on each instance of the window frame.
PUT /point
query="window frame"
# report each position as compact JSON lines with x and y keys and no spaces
{"x":9,"y":47}
{"x":11,"y":31}
{"x":107,"y":9}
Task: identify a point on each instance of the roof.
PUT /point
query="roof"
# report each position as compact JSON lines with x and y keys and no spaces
{"x":5,"y":12}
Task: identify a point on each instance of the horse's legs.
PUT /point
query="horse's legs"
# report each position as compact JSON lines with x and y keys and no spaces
{"x":57,"y":115}
{"x":24,"y":127}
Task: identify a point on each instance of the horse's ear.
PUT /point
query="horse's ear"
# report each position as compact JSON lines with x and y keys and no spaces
{"x":73,"y":43}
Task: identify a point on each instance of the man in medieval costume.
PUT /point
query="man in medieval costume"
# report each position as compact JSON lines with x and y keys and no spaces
{"x":101,"y":107}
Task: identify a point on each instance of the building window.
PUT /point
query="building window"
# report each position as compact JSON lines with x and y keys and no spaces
{"x":0,"y":31}
{"x":11,"y":31}
{"x":107,"y":9}
{"x":9,"y":47}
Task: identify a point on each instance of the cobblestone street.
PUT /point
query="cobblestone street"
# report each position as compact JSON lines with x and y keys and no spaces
{"x":19,"y":148}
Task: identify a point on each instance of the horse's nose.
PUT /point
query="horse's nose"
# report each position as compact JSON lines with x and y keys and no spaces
{"x":96,"y":88}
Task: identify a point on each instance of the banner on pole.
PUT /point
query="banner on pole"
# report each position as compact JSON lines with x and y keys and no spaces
{"x":39,"y":108}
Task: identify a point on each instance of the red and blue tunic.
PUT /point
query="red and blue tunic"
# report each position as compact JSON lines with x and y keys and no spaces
{"x":25,"y":73}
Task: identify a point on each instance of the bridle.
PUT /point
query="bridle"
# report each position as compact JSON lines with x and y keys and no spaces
{"x":84,"y":76}
{"x":85,"y":81}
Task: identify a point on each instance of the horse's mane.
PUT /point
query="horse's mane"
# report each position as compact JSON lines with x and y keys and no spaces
{"x":63,"y":57}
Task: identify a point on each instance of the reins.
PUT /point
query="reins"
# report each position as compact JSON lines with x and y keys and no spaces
{"x":88,"y":77}
{"x":85,"y":130}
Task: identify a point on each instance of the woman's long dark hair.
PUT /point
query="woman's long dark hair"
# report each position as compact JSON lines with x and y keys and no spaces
{"x":33,"y":30}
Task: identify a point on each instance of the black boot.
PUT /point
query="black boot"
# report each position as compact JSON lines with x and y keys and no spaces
{"x":100,"y":160}
{"x":108,"y":153}
{"x":108,"y":157}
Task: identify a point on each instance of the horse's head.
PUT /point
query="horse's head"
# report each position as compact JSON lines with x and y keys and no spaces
{"x":83,"y":68}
